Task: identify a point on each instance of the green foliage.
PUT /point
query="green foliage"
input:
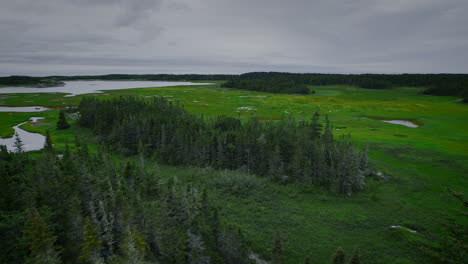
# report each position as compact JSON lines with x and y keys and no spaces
{"x":420,"y":164}
{"x":355,"y":258}
{"x":91,"y":244}
{"x":133,"y":246}
{"x":280,"y":150}
{"x":277,"y":250}
{"x":48,"y":145}
{"x":62,"y":121}
{"x":455,"y":247}
{"x":239,"y":183}
{"x":270,"y":85}
{"x":125,"y":220}
{"x":440,"y":84}
{"x":457,"y":87}
{"x":30,"y":81}
{"x":338,"y":257}
{"x":40,"y":241}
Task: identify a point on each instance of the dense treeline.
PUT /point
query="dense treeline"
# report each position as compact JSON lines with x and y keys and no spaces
{"x":58,"y":80}
{"x":151,"y":77}
{"x":30,"y":81}
{"x":437,"y":84}
{"x":86,"y":208}
{"x":454,"y":88}
{"x":269,"y":85}
{"x":361,"y":80}
{"x":286,"y":150}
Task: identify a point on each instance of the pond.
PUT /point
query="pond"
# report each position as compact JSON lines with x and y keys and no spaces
{"x":401,"y":122}
{"x":73,"y":88}
{"x":404,"y":122}
{"x":31,"y":141}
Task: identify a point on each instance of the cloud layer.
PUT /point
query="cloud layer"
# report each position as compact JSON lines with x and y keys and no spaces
{"x":232,"y":36}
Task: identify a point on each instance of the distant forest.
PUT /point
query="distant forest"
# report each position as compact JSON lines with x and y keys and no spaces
{"x":269,"y":85}
{"x":436,"y":84}
{"x":277,"y":82}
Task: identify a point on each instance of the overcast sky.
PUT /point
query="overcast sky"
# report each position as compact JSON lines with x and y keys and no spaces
{"x":46,"y":37}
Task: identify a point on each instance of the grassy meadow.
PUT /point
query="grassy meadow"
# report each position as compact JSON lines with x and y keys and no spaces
{"x":421,"y":163}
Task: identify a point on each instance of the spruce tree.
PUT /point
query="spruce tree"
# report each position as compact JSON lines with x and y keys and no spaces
{"x":328,"y":134}
{"x":18,"y":144}
{"x":48,"y":145}
{"x":316,"y":127}
{"x":91,"y":244}
{"x":204,"y":206}
{"x":339,"y":257}
{"x":40,"y":241}
{"x":307,"y":260}
{"x":277,"y":251}
{"x":355,"y":259}
{"x":216,"y":228}
{"x":132,"y":246}
{"x":62,"y":121}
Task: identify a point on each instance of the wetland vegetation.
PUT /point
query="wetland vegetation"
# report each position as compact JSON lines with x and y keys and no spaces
{"x":132,"y":186}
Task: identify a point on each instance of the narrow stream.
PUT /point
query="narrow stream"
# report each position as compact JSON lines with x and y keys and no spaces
{"x":31,"y":141}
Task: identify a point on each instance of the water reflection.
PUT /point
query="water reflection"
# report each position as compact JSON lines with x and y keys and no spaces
{"x":85,"y":87}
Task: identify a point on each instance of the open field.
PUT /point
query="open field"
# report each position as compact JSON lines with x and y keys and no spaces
{"x":421,"y":162}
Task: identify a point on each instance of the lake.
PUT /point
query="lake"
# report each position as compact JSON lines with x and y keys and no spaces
{"x":73,"y":88}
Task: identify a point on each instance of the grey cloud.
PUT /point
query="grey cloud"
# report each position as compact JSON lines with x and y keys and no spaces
{"x":178,"y":6}
{"x":133,"y":11}
{"x":233,"y":36}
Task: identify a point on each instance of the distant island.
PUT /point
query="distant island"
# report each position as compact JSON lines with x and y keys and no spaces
{"x":33,"y":82}
{"x":49,"y":83}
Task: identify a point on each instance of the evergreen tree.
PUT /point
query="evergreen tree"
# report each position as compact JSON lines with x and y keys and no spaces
{"x":216,"y":227}
{"x":363,"y":158}
{"x":316,"y":127}
{"x":133,"y":247}
{"x":277,"y":251}
{"x":204,"y":207}
{"x":355,"y":259}
{"x":328,"y":134}
{"x":339,"y":257}
{"x":196,"y":247}
{"x":62,"y":121}
{"x":91,"y":245}
{"x":307,"y":260}
{"x":18,"y":144}
{"x":48,"y":145}
{"x":40,"y":241}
